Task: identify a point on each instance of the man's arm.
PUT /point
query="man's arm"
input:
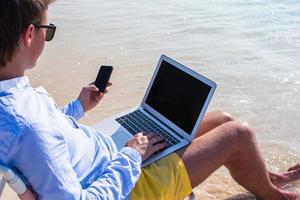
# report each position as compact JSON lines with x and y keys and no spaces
{"x":73,"y":109}
{"x":88,"y":98}
{"x":28,"y":195}
{"x":45,"y":162}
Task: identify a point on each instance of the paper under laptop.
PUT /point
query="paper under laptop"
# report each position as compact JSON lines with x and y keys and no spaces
{"x":174,"y":105}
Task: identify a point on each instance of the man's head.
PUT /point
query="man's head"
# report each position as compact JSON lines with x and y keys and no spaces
{"x":19,"y":28}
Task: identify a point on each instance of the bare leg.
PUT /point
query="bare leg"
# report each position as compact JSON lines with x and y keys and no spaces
{"x":234,"y":146}
{"x":214,"y":119}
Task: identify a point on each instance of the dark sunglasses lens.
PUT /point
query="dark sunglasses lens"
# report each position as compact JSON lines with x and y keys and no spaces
{"x":49,"y":34}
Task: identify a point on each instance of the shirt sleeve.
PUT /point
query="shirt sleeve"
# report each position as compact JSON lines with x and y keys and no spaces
{"x":116,"y":176}
{"x":42,"y":157}
{"x":74,"y":109}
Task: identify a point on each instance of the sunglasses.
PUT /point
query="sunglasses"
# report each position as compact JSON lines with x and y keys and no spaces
{"x":50,"y":30}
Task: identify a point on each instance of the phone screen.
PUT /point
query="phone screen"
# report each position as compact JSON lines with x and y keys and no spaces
{"x":103,"y":77}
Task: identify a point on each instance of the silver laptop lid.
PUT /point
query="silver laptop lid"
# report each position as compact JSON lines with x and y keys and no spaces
{"x":178,"y":96}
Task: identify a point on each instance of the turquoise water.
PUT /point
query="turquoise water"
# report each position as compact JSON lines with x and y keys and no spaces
{"x":250,"y":48}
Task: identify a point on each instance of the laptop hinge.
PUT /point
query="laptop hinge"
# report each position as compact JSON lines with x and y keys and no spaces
{"x":163,"y":124}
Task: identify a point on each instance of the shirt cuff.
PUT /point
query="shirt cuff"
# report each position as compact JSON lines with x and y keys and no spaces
{"x":80,"y":112}
{"x":132,"y":154}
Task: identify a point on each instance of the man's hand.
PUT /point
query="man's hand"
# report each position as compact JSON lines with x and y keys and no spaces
{"x":147,"y":144}
{"x":90,"y":96}
{"x":28,"y":195}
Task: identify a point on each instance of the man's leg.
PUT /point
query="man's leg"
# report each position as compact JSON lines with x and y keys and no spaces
{"x":233,"y":145}
{"x":214,"y":119}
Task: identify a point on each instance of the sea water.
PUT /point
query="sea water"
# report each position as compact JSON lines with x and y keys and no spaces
{"x":251,"y":49}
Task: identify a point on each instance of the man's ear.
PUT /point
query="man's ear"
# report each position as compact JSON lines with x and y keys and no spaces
{"x":27,"y":35}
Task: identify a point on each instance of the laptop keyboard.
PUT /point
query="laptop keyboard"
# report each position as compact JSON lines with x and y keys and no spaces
{"x":137,"y":121}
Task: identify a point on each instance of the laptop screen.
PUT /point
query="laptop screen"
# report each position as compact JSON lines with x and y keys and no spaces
{"x":178,"y":96}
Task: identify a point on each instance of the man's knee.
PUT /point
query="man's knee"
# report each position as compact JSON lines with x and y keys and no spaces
{"x":242,"y":132}
{"x":224,"y":117}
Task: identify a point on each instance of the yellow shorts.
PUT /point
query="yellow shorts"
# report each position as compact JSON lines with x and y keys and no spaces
{"x":165,"y":179}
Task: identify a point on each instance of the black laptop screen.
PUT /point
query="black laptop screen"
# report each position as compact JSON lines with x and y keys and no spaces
{"x":178,"y":96}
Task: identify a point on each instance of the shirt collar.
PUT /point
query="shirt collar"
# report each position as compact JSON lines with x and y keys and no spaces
{"x":19,"y":82}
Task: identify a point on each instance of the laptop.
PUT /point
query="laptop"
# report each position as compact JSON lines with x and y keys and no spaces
{"x":173,"y":106}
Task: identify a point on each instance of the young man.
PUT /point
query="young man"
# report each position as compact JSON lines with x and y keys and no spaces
{"x":62,"y":159}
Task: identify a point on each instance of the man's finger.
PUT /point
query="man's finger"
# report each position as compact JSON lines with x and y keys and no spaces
{"x":99,"y":97}
{"x":157,"y":139}
{"x":150,"y":135}
{"x":93,"y":88}
{"x":139,"y":134}
{"x":158,"y":147}
{"x":144,"y":139}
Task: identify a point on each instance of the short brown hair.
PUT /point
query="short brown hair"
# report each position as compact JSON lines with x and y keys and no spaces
{"x":15,"y":17}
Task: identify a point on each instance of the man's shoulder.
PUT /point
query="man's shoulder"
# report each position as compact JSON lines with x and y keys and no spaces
{"x":27,"y":105}
{"x":16,"y":125}
{"x":24,"y":112}
{"x":22,"y":109}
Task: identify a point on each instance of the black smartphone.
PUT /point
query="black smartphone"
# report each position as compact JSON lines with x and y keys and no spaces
{"x":103,"y":77}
